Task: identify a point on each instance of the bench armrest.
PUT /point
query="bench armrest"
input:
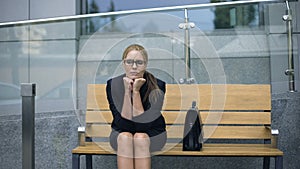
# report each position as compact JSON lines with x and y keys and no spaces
{"x":81,"y":135}
{"x":274,"y":137}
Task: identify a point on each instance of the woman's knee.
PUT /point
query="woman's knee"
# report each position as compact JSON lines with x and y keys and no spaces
{"x":141,"y":139}
{"x":141,"y":145}
{"x":125,"y":144}
{"x":125,"y":138}
{"x":143,"y":136}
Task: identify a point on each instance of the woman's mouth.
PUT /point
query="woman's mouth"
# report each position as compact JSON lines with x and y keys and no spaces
{"x":134,"y":73}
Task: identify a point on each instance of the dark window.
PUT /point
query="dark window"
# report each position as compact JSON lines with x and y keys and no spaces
{"x":222,"y":17}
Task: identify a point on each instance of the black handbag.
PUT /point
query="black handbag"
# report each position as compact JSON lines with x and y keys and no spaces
{"x":193,"y":130}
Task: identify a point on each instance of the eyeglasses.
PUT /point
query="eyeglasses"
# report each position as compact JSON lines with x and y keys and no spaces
{"x":130,"y":62}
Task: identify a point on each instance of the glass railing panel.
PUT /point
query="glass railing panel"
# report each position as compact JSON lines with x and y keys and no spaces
{"x":53,"y":64}
{"x":14,"y":67}
{"x":63,"y":56}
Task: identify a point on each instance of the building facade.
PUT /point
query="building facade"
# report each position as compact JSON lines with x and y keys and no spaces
{"x":64,"y":55}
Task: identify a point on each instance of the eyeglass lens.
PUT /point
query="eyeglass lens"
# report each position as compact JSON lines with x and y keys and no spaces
{"x":137,"y":62}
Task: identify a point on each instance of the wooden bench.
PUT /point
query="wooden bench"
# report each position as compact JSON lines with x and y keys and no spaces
{"x":237,"y":122}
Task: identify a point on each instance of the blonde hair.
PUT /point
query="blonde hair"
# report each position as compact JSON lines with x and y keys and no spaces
{"x":136,"y":47}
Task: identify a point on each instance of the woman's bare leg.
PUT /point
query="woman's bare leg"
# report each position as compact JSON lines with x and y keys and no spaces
{"x":142,"y":157}
{"x":125,"y":151}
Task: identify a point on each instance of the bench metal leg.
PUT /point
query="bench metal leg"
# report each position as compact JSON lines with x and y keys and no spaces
{"x":266,"y":162}
{"x":89,"y":161}
{"x":279,"y":162}
{"x":75,"y":161}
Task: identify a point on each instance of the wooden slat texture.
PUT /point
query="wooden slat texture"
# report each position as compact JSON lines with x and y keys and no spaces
{"x":232,"y":111}
{"x":98,"y":117}
{"x":96,"y":97}
{"x":178,"y":117}
{"x":218,"y":97}
{"x":225,"y":132}
{"x":95,"y":130}
{"x":174,"y":149}
{"x":94,"y":148}
{"x":251,"y":118}
{"x":208,"y":97}
{"x":246,"y":150}
{"x":211,"y":132}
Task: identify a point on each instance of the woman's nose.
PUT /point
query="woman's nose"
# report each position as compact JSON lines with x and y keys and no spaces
{"x":134,"y":65}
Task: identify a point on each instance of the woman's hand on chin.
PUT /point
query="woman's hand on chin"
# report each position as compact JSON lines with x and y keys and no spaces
{"x":138,"y":83}
{"x":128,"y":84}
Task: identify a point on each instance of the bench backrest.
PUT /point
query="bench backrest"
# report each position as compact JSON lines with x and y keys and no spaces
{"x":231,"y":111}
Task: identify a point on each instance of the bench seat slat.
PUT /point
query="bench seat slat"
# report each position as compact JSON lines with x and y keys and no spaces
{"x":96,"y":97}
{"x":223,"y":150}
{"x":218,"y":97}
{"x":208,"y":97}
{"x":174,"y":149}
{"x":211,"y":132}
{"x":178,"y":117}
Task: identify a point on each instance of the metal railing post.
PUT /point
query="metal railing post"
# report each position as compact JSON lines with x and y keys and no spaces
{"x":187,"y":26}
{"x":28,"y":92}
{"x":290,"y":71}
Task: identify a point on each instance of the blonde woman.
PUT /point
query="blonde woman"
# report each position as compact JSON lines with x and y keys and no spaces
{"x":136,"y":100}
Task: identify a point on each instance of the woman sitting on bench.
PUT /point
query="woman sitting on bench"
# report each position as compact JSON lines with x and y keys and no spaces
{"x":135,"y":99}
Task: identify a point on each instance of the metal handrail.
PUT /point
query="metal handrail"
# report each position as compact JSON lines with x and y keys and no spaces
{"x":290,"y":71}
{"x":160,"y":9}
